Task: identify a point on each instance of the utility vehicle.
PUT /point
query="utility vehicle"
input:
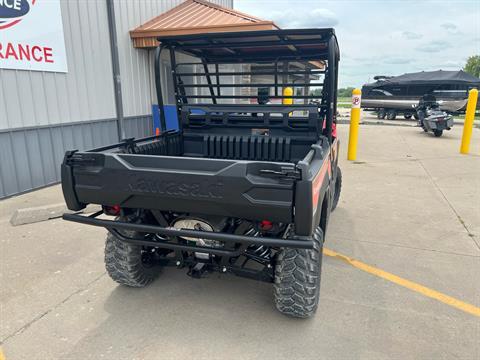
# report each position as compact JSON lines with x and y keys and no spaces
{"x":245,"y":186}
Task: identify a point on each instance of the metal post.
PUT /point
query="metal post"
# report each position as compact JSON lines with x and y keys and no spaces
{"x":331,"y":86}
{"x":354,"y":124}
{"x":306,"y":80}
{"x":217,"y":70}
{"x":173,"y":65}
{"x":336,"y":91}
{"x":117,"y":81}
{"x":276,"y":77}
{"x":158,"y":88}
{"x":209,"y":81}
{"x":468,"y":124}
{"x":285,"y":67}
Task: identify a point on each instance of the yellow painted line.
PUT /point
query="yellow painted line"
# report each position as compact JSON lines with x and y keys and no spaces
{"x":2,"y":356}
{"x":468,"y":308}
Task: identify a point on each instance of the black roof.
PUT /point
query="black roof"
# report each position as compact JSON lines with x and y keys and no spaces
{"x":429,"y":77}
{"x":265,"y":45}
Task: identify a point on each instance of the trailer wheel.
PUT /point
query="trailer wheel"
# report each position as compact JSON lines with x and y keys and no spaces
{"x":391,"y":114}
{"x":437,"y":132}
{"x":338,"y":188}
{"x":381,"y":114}
{"x":128,"y":264}
{"x":297,"y":279}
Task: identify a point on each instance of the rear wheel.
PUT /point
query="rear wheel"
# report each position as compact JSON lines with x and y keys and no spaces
{"x":437,"y":132}
{"x":391,"y":114}
{"x":381,"y":114}
{"x":407,"y":116}
{"x":338,"y":188}
{"x":128,"y":264}
{"x":297,"y":279}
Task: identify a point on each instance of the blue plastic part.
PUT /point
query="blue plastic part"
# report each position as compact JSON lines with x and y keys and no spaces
{"x":170,"y":117}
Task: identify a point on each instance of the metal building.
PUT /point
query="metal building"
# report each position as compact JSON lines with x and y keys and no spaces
{"x":42,"y":113}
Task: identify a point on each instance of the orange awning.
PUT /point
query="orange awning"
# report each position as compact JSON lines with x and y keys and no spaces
{"x":196,"y":17}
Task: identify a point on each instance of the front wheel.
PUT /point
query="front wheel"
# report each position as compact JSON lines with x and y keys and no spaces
{"x":297,"y":279}
{"x":437,"y":132}
{"x":381,"y":114}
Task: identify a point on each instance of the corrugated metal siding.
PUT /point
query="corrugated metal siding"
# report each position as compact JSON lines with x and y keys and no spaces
{"x":32,"y":98}
{"x":136,"y":65}
{"x":44,"y":114}
{"x":31,"y":157}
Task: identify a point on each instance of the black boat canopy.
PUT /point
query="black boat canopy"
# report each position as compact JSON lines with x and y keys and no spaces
{"x":429,"y":77}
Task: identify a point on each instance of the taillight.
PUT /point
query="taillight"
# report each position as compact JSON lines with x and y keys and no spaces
{"x":266,"y":225}
{"x":112,"y":210}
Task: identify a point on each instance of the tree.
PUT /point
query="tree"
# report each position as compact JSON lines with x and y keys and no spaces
{"x":345,"y":92}
{"x":473,"y":65}
{"x":342,"y":92}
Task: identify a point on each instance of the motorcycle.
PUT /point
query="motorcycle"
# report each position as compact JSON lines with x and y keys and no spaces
{"x":431,"y":118}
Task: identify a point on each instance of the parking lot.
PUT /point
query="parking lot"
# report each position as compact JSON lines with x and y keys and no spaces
{"x":408,"y":213}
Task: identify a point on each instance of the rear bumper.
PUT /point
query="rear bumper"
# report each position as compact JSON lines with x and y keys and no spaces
{"x":170,"y":234}
{"x":439,"y":124}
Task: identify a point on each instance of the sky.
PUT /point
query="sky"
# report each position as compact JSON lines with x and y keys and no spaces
{"x":383,"y":37}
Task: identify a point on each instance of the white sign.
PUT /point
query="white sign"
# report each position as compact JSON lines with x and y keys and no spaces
{"x":356,"y":100}
{"x":31,"y":35}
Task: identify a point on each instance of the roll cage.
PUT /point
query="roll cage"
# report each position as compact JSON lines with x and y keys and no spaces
{"x":280,"y":55}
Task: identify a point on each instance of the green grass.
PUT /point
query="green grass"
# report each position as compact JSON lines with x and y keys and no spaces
{"x":462,"y":117}
{"x":344,"y":99}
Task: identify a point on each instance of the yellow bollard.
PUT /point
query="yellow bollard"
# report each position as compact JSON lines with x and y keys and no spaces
{"x":468,"y":124}
{"x":288,"y":91}
{"x":354,"y":124}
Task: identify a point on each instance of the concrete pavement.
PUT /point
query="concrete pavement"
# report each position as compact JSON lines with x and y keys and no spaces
{"x":409,"y":206}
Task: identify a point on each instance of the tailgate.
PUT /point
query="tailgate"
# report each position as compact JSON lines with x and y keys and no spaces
{"x":244,"y":189}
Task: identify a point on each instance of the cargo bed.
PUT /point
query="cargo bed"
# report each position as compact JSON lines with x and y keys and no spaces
{"x":223,"y":162}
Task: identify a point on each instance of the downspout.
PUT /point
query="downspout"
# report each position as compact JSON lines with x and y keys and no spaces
{"x":117,"y":81}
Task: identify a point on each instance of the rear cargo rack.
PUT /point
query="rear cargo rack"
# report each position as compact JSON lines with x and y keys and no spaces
{"x":259,"y":67}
